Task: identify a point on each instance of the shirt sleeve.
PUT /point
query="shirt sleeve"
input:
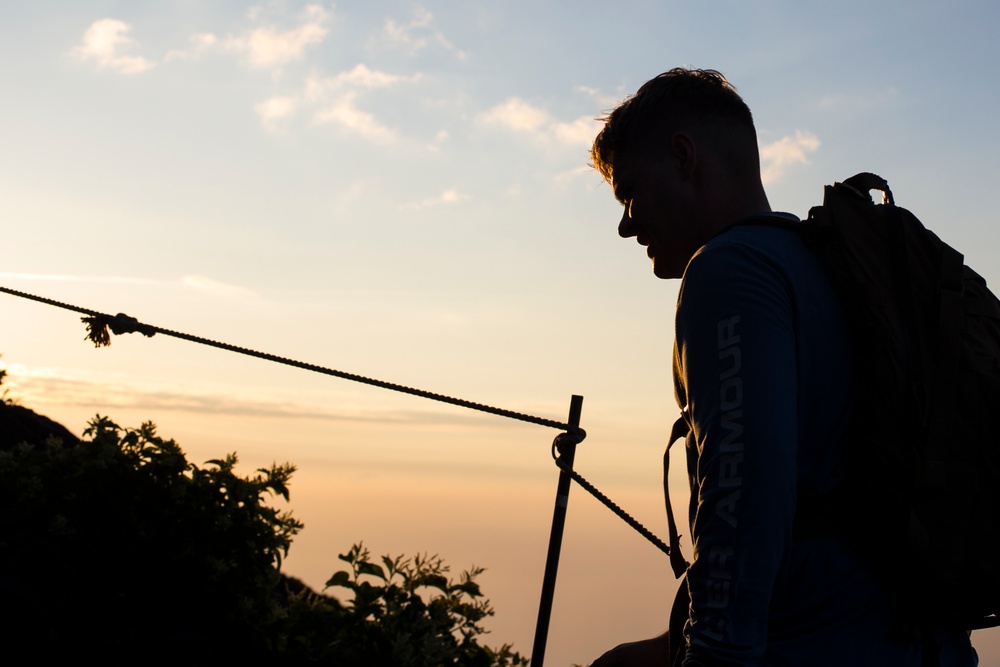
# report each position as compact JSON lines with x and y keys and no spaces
{"x":735,"y":360}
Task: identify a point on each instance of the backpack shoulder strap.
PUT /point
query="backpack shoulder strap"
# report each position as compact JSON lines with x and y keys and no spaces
{"x":677,"y":562}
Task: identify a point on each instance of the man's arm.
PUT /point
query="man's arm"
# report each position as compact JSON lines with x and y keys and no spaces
{"x":736,"y":359}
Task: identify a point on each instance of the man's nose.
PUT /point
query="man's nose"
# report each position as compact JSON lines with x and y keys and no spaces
{"x":627,"y":228}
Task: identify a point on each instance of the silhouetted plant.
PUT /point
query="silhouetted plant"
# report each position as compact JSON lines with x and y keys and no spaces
{"x":407,"y":612}
{"x":117,"y":548}
{"x":5,"y":394}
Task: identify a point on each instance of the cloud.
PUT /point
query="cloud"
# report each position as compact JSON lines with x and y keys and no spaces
{"x":778,"y":155}
{"x":451,"y":196}
{"x":519,"y":116}
{"x":104,"y":44}
{"x":198,"y":45}
{"x":440,"y":139}
{"x":263,"y":47}
{"x":580,"y":132}
{"x":333,"y":100}
{"x":605,"y":101}
{"x":276,"y":107}
{"x":345,"y":113}
{"x":72,"y":388}
{"x":360,"y":76}
{"x":269,"y":47}
{"x":417,"y":35}
{"x":275,"y":110}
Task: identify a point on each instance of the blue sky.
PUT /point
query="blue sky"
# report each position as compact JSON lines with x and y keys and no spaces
{"x":401,"y":190}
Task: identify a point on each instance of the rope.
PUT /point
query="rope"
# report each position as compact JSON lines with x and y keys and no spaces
{"x":98,"y":324}
{"x":610,"y":504}
{"x":564,"y":439}
{"x":97,"y":332}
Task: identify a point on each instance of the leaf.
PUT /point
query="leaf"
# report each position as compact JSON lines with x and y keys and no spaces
{"x":438,"y":581}
{"x":341,"y":578}
{"x":390,"y":565}
{"x":365,"y":567}
{"x":468,"y":587}
{"x":356,"y":552}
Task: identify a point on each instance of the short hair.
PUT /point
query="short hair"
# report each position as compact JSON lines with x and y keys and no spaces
{"x":681,"y":97}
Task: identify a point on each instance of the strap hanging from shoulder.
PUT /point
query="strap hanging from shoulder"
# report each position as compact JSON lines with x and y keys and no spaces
{"x":677,"y":562}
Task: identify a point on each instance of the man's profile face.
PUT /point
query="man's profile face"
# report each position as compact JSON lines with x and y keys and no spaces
{"x":654,"y":198}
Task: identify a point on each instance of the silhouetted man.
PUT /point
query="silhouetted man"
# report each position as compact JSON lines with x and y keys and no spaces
{"x":762,"y":369}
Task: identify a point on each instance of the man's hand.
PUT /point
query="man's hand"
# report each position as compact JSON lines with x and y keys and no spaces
{"x":653,"y":652}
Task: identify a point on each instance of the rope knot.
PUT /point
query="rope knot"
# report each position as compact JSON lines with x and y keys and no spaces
{"x":570,"y":438}
{"x":98,"y":325}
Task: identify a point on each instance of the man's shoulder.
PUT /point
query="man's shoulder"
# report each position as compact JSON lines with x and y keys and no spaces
{"x":765,"y":231}
{"x":754,"y":258}
{"x":764,"y":242}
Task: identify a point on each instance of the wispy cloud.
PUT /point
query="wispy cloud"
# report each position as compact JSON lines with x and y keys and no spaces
{"x":450,"y":196}
{"x":522,"y":117}
{"x":334,"y":100}
{"x":106,"y":44}
{"x":361,"y":76}
{"x":579,"y":132}
{"x":274,"y":111}
{"x":778,"y":155}
{"x":344,"y":112}
{"x":270,"y":47}
{"x":271,"y":43}
{"x":70,"y":388}
{"x":603,"y":100}
{"x":417,"y":34}
{"x":517,"y":115}
{"x":440,"y":139}
{"x":198,"y":45}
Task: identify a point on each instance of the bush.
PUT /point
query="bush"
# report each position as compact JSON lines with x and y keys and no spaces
{"x":116,"y":548}
{"x":388,"y":622}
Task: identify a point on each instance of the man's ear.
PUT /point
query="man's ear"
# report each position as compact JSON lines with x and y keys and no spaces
{"x":685,"y":153}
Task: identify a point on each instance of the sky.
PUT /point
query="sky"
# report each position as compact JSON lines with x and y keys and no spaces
{"x":401,"y":190}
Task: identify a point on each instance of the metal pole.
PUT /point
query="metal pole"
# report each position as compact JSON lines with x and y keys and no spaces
{"x":566,"y":454}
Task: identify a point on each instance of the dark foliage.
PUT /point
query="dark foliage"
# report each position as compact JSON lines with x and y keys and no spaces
{"x":118,"y":547}
{"x":407,"y":612}
{"x":115,"y":549}
{"x":19,"y":424}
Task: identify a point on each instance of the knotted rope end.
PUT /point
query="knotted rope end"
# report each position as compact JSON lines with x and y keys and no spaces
{"x":574,"y":436}
{"x":98,"y":325}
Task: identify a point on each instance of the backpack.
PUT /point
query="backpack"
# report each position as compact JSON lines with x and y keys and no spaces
{"x":921,"y":498}
{"x":923,"y":454}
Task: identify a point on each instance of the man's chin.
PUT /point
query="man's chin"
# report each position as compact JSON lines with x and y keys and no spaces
{"x":663,"y":271}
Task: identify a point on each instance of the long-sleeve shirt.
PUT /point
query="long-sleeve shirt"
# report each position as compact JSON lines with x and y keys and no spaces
{"x":762,"y":367}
